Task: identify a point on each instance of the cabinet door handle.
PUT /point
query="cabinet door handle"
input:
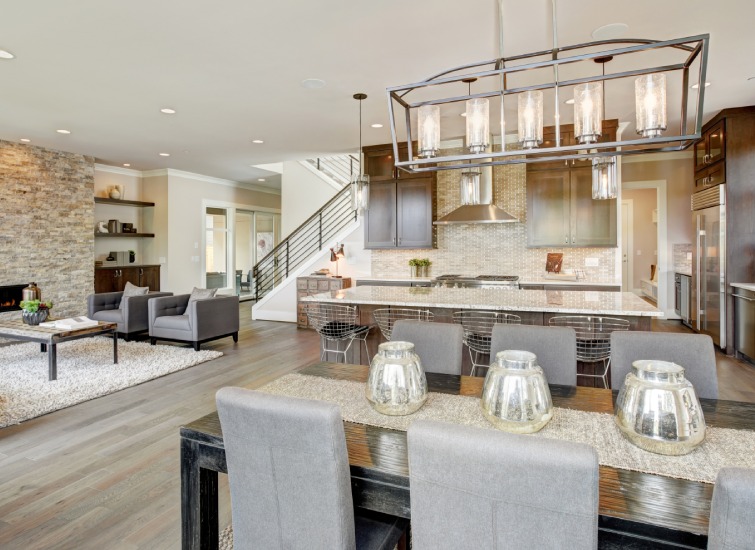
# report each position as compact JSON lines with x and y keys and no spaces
{"x":399,"y":240}
{"x":394,"y":241}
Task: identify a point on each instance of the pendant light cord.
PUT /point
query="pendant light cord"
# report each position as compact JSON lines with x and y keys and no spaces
{"x":360,"y":138}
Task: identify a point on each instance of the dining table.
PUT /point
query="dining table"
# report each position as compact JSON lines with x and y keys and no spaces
{"x":649,"y":510}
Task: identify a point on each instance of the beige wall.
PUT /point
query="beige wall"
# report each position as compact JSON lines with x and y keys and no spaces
{"x":302,"y":194}
{"x":131,"y":184}
{"x":645,"y":232}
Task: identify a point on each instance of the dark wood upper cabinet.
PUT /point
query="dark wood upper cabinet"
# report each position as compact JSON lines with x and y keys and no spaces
{"x":593,"y":222}
{"x":380,"y":218}
{"x":379,"y":163}
{"x":548,"y":207}
{"x":711,"y":147}
{"x":414,"y":213}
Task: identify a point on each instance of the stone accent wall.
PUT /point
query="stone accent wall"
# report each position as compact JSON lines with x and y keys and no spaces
{"x":47,"y":224}
{"x":491,"y":249}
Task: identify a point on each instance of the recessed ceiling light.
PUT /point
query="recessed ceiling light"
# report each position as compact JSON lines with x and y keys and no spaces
{"x":261,"y":179}
{"x":610,"y":31}
{"x":312,"y":83}
{"x":63,"y":131}
{"x":376,"y":125}
{"x":751,"y":78}
{"x":168,"y":111}
{"x":126,"y":164}
{"x":4,"y":54}
{"x":696,"y":85}
{"x":164,"y":154}
{"x":463,"y":114}
{"x":569,"y":101}
{"x":25,"y":140}
{"x":257,"y":141}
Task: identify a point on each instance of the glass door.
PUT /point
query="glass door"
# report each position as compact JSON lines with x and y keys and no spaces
{"x":216,"y":248}
{"x":244,"y":257}
{"x":710,"y":274}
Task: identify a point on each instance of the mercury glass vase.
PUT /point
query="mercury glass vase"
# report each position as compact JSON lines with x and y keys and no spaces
{"x":658,"y":409}
{"x":396,"y":384}
{"x":515,"y":395}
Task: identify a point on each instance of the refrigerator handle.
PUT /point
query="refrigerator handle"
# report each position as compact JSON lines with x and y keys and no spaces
{"x":700,"y":233}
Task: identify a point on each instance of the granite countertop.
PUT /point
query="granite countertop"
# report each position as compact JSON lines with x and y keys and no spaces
{"x":683,"y":270}
{"x":396,"y":279}
{"x":745,"y":286}
{"x":525,"y":281}
{"x":552,"y":301}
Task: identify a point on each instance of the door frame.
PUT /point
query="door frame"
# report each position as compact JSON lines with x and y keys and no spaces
{"x":665,"y":272}
{"x":630,"y":244}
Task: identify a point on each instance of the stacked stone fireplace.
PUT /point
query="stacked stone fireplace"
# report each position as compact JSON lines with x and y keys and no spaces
{"x":46,"y":226}
{"x":10,"y":297}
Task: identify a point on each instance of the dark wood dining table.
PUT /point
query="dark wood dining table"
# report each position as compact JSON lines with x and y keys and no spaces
{"x":653,"y":510}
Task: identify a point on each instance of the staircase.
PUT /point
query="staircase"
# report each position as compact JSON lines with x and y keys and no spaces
{"x":307,"y":239}
{"x":338,"y":168}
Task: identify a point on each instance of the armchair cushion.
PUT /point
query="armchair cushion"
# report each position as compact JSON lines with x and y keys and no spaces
{"x":177,"y":318}
{"x":202,"y":293}
{"x":130,"y":312}
{"x":133,"y":290}
{"x":109,"y":316}
{"x":174,"y":322}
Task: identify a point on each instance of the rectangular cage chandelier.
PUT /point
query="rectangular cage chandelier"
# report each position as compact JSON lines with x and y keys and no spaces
{"x":415,"y":110}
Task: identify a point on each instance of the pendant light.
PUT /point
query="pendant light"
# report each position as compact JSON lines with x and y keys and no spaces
{"x":428,"y":124}
{"x":477,"y":142}
{"x":604,"y":180}
{"x":588,"y":112}
{"x":530,"y":110}
{"x":360,"y":183}
{"x":650,"y":104}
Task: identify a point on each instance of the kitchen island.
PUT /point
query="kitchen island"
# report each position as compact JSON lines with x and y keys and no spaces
{"x":535,"y":307}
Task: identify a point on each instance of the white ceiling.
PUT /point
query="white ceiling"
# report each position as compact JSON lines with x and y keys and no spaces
{"x":233,"y":69}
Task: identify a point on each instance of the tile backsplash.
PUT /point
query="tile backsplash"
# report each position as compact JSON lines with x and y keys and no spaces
{"x":491,"y":248}
{"x":683,"y":257}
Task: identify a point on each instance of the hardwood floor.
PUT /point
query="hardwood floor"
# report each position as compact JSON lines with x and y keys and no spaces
{"x":105,"y":473}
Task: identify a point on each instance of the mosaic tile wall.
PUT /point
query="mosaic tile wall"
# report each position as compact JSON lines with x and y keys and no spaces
{"x":683,"y":257}
{"x":47,"y":214}
{"x":491,"y":248}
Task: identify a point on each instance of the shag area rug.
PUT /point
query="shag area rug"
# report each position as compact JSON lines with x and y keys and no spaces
{"x":85,"y":371}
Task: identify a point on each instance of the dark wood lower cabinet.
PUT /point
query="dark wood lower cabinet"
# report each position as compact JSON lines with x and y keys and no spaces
{"x":114,"y":279}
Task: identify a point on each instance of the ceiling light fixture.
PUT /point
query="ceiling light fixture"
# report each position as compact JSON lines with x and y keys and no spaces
{"x":376,"y":125}
{"x":25,"y":140}
{"x":605,"y":184}
{"x":260,"y":179}
{"x":313,"y":83}
{"x":63,"y":131}
{"x":687,"y":57}
{"x":257,"y":141}
{"x":5,"y":54}
{"x":696,"y":85}
{"x":126,"y":164}
{"x":164,"y":154}
{"x":168,"y":111}
{"x":569,"y":101}
{"x":360,"y":183}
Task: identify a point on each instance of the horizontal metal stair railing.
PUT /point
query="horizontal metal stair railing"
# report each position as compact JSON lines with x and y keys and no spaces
{"x":339,"y":168}
{"x":310,"y":237}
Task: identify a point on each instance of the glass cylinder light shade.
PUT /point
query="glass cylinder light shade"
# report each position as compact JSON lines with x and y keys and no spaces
{"x":360,"y":192}
{"x":588,"y":108}
{"x":530,"y":119}
{"x":604,"y":184}
{"x":650,"y":104}
{"x":470,"y":187}
{"x":478,"y":125}
{"x":428,"y":123}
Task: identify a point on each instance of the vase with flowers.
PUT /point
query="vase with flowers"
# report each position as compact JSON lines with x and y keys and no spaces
{"x":34,"y":312}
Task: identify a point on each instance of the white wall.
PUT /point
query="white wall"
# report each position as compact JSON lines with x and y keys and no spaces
{"x":645,"y":238}
{"x":302,"y":194}
{"x":155,"y":189}
{"x":130,"y":181}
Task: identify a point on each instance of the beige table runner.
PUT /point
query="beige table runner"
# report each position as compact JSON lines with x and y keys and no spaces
{"x":722,"y":446}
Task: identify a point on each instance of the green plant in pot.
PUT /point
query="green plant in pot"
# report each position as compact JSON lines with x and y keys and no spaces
{"x":34,"y":312}
{"x":424,"y":267}
{"x":414,"y":267}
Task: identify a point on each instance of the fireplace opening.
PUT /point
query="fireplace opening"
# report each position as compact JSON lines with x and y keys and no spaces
{"x":10,"y":297}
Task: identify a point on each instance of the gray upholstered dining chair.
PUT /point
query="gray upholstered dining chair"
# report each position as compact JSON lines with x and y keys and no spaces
{"x":694,"y":352}
{"x":288,"y":470}
{"x":476,"y":488}
{"x":439,"y":345}
{"x":731,"y":524}
{"x":555,"y":347}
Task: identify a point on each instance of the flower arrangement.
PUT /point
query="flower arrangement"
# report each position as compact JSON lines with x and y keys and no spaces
{"x":33,"y":306}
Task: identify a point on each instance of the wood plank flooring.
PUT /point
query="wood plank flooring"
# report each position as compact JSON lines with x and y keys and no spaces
{"x":105,"y":473}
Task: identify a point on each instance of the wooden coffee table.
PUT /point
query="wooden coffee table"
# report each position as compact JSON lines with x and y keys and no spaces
{"x":49,"y":338}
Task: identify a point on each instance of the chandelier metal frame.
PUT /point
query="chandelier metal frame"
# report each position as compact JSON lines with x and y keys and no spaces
{"x":694,"y":47}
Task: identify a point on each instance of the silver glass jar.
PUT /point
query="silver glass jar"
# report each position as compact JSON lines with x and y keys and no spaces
{"x":658,"y":410}
{"x":396,"y":384}
{"x":515,"y":396}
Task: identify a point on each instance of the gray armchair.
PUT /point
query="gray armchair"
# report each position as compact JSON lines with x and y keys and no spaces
{"x":132,"y":318}
{"x":175,"y":318}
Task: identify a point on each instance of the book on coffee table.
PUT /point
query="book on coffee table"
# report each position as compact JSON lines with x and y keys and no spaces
{"x":73,"y":323}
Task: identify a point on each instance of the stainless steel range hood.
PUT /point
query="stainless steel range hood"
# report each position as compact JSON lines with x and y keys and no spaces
{"x":485,"y":212}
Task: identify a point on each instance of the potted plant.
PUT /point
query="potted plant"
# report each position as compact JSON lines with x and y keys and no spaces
{"x":414,"y":266}
{"x":34,"y":312}
{"x":424,"y":267}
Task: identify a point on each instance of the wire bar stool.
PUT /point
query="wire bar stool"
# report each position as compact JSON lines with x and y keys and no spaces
{"x":338,"y":327}
{"x":386,"y":317}
{"x":478,"y":330}
{"x":593,"y":339}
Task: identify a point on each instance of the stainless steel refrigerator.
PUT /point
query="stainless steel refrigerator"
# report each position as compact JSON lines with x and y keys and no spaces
{"x":708,"y":314}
